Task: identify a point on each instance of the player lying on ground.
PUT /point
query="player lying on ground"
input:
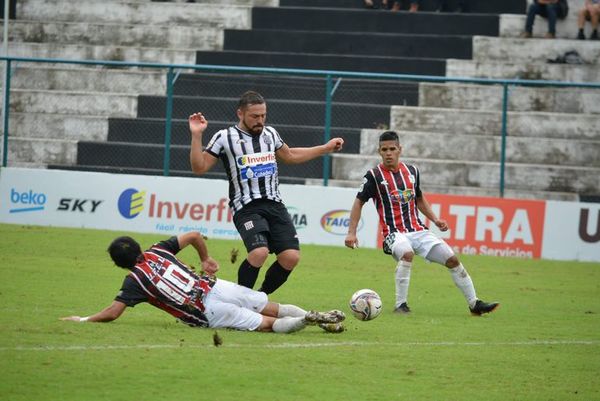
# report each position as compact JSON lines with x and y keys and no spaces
{"x":396,"y":191}
{"x":158,"y":277}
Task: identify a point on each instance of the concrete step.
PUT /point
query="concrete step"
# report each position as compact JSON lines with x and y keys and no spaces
{"x":41,"y":151}
{"x":485,"y":148}
{"x":210,"y":36}
{"x":520,"y":98}
{"x":151,"y":130}
{"x":354,"y":20}
{"x":532,"y":50}
{"x":297,"y":87}
{"x":525,"y":177}
{"x":71,"y":102}
{"x":471,"y":6}
{"x":92,"y":11}
{"x":58,"y":126}
{"x":102,"y":53}
{"x":511,"y":25}
{"x":476,"y":122}
{"x":355,"y":43}
{"x":90,"y":79}
{"x":254,"y":3}
{"x":281,"y":111}
{"x":463,"y":191}
{"x":377,"y":64}
{"x":534,"y":71}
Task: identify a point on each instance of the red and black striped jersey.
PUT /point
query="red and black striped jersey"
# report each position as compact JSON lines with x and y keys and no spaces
{"x":395,"y":195}
{"x":167,"y":283}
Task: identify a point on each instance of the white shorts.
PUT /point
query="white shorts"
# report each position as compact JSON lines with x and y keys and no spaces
{"x":229,"y":305}
{"x":421,"y":242}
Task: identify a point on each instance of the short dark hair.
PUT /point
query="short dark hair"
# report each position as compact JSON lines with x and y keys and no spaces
{"x":389,"y":136}
{"x":125,"y":252}
{"x":250,"y":98}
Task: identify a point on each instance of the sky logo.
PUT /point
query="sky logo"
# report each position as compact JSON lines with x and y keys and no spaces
{"x":26,"y":201}
{"x":131,"y":203}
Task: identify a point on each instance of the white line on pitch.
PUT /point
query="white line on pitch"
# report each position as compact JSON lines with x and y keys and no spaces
{"x":299,"y":345}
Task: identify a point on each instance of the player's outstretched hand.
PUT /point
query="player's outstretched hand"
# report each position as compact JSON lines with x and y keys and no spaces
{"x":197,"y":123}
{"x":210,"y":266}
{"x":335,"y":144}
{"x":71,"y":318}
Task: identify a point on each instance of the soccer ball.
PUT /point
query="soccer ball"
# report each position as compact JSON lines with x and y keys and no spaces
{"x":365,"y":304}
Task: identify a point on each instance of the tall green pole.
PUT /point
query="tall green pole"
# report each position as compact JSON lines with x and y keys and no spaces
{"x":327,"y":134}
{"x":5,"y":112}
{"x":503,"y":141}
{"x":168,"y":119}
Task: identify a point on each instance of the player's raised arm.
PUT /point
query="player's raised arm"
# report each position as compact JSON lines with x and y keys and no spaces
{"x":108,"y":314}
{"x":195,"y":239}
{"x":200,"y":160}
{"x":351,"y":240}
{"x":300,"y":155}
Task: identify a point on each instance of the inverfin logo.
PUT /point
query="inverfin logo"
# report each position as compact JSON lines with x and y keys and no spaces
{"x":29,"y":201}
{"x":131,"y":203}
{"x":337,"y":221}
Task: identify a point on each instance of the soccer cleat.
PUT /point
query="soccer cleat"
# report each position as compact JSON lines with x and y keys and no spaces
{"x":332,"y":327}
{"x":333,"y":316}
{"x":481,"y":307}
{"x":402,"y":309}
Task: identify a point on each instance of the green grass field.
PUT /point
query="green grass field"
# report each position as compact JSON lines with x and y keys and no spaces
{"x":542,"y":344}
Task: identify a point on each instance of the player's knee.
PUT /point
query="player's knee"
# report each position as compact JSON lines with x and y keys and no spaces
{"x":452,"y":262}
{"x":289,"y":259}
{"x":258,"y":256}
{"x":408,"y":256}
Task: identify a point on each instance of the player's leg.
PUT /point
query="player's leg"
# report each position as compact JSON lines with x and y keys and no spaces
{"x":283,"y":241}
{"x":401,"y":250}
{"x":439,"y":252}
{"x":254,"y":232}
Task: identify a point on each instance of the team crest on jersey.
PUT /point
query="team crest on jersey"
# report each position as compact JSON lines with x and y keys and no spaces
{"x":404,"y":196}
{"x":257,"y":165}
{"x":411,"y":178}
{"x":267,"y":140}
{"x":240,"y":140}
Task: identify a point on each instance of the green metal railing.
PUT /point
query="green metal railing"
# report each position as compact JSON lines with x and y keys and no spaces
{"x":329,"y":95}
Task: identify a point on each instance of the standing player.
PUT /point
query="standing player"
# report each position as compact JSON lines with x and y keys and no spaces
{"x":158,"y":277}
{"x":395,"y":189}
{"x":249,"y":151}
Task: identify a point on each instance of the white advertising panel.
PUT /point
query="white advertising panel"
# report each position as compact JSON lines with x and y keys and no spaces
{"x":170,"y":205}
{"x":572,"y":231}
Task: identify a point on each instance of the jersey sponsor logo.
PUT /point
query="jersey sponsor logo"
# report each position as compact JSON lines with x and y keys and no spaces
{"x":403,"y":196}
{"x":27,"y":201}
{"x":336,"y":222}
{"x":131,"y":203}
{"x":257,"y":165}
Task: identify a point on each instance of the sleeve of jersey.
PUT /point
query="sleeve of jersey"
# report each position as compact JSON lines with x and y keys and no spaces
{"x":131,"y":293}
{"x":215,"y":145}
{"x":278,"y":141}
{"x":367,"y":188}
{"x":418,"y":192}
{"x":170,"y":245}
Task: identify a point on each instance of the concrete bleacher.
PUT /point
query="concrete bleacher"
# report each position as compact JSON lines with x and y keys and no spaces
{"x":107,"y":119}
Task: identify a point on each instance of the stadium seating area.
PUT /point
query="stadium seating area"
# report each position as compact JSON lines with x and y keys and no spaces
{"x":112,"y":119}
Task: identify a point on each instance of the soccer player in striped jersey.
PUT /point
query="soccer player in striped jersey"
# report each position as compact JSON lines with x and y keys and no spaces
{"x":396,"y":191}
{"x":158,"y":277}
{"x":249,"y":152}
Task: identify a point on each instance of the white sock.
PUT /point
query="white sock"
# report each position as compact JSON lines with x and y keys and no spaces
{"x":464,"y":283}
{"x":288,"y":324}
{"x":287,"y":310}
{"x":402,"y":281}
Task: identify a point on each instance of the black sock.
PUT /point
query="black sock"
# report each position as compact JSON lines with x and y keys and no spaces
{"x":247,"y":274}
{"x":274,"y":278}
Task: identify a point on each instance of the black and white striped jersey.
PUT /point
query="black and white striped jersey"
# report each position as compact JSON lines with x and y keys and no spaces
{"x":250,"y":164}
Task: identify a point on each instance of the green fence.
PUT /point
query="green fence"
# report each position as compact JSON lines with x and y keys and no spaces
{"x":147,"y":130}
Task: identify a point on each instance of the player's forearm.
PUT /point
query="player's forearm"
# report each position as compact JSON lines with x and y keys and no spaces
{"x":425,"y":208}
{"x":301,"y":155}
{"x":355,"y":213}
{"x":199,"y":165}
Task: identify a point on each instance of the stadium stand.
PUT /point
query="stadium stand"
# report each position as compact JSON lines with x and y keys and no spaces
{"x":112,"y":120}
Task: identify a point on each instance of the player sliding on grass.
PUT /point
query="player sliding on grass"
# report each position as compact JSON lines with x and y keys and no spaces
{"x":395,"y":189}
{"x":201,"y":300}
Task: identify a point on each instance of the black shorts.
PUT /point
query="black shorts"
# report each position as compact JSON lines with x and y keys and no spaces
{"x":264,"y":222}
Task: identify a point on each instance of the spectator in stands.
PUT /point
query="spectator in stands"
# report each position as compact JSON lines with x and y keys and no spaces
{"x":589,"y":12}
{"x":414,"y":5}
{"x":371,"y":4}
{"x":444,"y":5}
{"x":547,"y":9}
